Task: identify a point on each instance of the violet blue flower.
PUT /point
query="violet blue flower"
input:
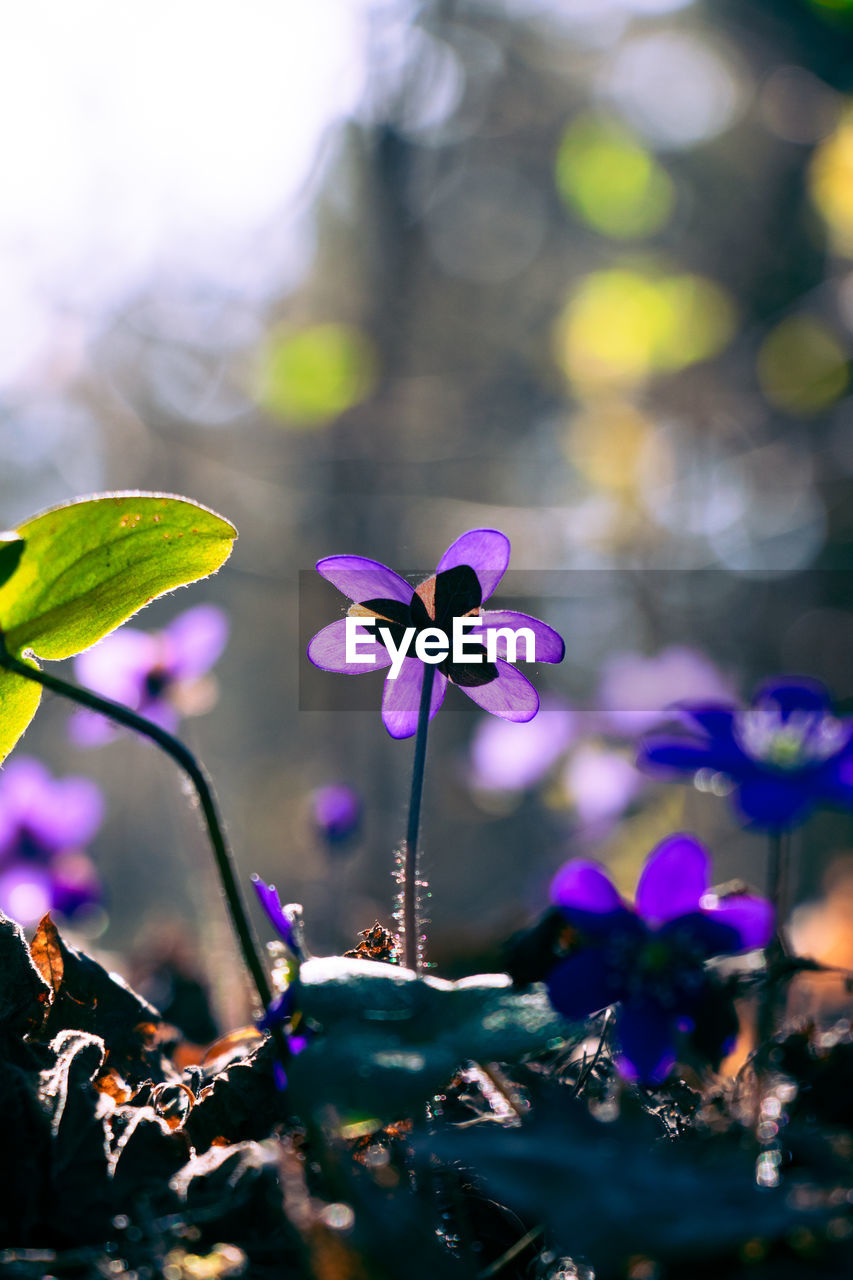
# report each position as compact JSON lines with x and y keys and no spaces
{"x":784,"y":754}
{"x":465,"y":578}
{"x":282,"y":1010}
{"x":336,"y":810}
{"x":159,"y":675}
{"x":636,"y":693}
{"x":283,"y":923}
{"x":651,"y":958}
{"x":45,"y":824}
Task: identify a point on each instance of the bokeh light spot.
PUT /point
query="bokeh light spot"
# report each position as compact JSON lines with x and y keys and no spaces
{"x":607,"y":443}
{"x":802,"y":367}
{"x":675,"y":89}
{"x":622,"y":326}
{"x":831,"y":181}
{"x":610,"y":181}
{"x":308,"y":377}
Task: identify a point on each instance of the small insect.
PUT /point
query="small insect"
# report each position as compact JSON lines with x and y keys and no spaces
{"x":376,"y":943}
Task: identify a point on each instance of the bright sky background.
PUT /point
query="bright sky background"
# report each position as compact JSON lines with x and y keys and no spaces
{"x":138,"y":135}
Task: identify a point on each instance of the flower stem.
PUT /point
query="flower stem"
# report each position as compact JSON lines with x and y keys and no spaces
{"x":204,"y":790}
{"x":410,"y":868}
{"x":778,"y":868}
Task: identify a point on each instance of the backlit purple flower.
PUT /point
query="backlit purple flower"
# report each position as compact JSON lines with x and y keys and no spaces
{"x":649,"y":958}
{"x":636,"y":692}
{"x":783,"y":755}
{"x":45,"y":824}
{"x":336,"y":810}
{"x":465,"y":578}
{"x":158,"y":674}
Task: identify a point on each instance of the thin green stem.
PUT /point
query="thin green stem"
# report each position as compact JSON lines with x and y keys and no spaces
{"x":410,"y":867}
{"x":204,"y":790}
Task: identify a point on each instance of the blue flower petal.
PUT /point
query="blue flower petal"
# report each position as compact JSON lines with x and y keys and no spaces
{"x":773,"y":802}
{"x":675,"y":876}
{"x":582,"y":984}
{"x":269,"y":900}
{"x":793,"y":694}
{"x":646,"y":1036}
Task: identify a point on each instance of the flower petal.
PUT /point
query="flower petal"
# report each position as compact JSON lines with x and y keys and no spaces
{"x":582,"y":984}
{"x":676,"y":874}
{"x":714,"y":718}
{"x":774,"y":802}
{"x":583,"y":887}
{"x":328,"y":650}
{"x":116,"y":667}
{"x":793,"y":694}
{"x":401,"y":698}
{"x":548,"y":645}
{"x":485,"y":550}
{"x":195,"y":640}
{"x":161,"y":712}
{"x":646,"y":1037}
{"x":511,"y":696}
{"x":70,"y":814}
{"x":361,"y":579}
{"x":269,"y":900}
{"x":88,"y":729}
{"x":26,"y":892}
{"x":752,"y":918}
{"x":687,"y":755}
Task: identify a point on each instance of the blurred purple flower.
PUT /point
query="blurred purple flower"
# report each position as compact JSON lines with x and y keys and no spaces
{"x":506,"y":756}
{"x":466,"y":576}
{"x":601,"y":784}
{"x":336,"y":810}
{"x":784,"y":754}
{"x":635,"y":693}
{"x":44,"y":825}
{"x":649,"y":958}
{"x":159,"y":675}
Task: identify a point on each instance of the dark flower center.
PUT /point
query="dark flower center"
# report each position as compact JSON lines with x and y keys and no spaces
{"x":157,"y":681}
{"x":453,"y":593}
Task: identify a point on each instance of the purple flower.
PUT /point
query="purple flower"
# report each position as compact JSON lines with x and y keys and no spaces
{"x":44,"y":825}
{"x":283,"y":923}
{"x":635,"y":692}
{"x":336,"y":810}
{"x":649,"y":958}
{"x":283,"y":1011}
{"x":784,"y":754}
{"x":159,"y":675}
{"x":601,"y":784}
{"x":511,"y":757}
{"x":465,"y":578}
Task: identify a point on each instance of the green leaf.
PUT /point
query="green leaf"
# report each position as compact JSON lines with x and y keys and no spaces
{"x":11,"y":546}
{"x":19,"y":701}
{"x":86,"y":567}
{"x":89,"y":565}
{"x":392,"y":1038}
